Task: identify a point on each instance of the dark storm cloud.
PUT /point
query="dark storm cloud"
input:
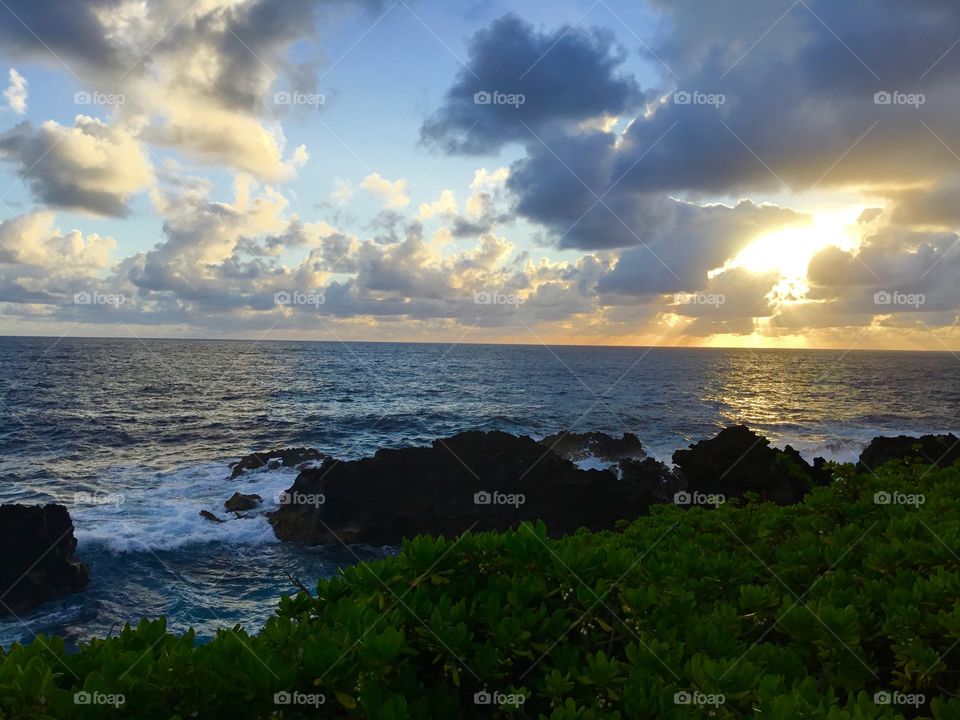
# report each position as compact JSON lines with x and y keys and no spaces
{"x":692,"y":242}
{"x":71,"y":30}
{"x":783,"y":97}
{"x":566,"y":76}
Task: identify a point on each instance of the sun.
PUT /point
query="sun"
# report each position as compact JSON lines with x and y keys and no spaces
{"x":788,"y":251}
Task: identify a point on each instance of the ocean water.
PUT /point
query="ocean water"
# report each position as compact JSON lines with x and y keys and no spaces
{"x":135,"y":437}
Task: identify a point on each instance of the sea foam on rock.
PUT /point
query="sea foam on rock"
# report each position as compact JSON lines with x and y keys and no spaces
{"x":288,"y":457}
{"x":38,"y":562}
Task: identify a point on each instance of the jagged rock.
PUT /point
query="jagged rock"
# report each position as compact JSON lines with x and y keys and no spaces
{"x":207,"y":515}
{"x":579,"y":446}
{"x":239,"y":502}
{"x":38,"y":562}
{"x":473,"y":480}
{"x":652,"y":475}
{"x":737,"y":461}
{"x":288,"y":457}
{"x":940,"y":450}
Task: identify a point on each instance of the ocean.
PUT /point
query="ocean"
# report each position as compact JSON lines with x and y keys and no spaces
{"x":136,"y":436}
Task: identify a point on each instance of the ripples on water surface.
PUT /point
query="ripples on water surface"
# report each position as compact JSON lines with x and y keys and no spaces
{"x":157,"y":422}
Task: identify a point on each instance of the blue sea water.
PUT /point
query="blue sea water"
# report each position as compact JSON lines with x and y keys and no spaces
{"x":135,"y":437}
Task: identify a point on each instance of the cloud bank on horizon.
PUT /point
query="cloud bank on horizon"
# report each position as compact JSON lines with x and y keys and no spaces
{"x":741,"y":172}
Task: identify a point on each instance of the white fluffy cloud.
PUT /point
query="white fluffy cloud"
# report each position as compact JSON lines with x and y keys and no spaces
{"x":91,"y":166}
{"x":16,"y":92}
{"x":392,"y":193}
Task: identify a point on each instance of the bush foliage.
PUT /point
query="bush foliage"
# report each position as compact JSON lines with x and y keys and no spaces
{"x":843,"y":607}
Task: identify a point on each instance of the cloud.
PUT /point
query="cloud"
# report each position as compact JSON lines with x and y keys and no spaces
{"x":16,"y":92}
{"x":445,"y":206}
{"x":518,"y":80}
{"x":92,"y":166}
{"x":393,"y":194}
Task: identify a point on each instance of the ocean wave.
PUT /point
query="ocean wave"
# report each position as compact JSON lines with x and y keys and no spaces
{"x":156,"y":512}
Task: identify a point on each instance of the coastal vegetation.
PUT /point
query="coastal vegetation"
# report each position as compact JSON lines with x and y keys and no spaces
{"x":841,"y":606}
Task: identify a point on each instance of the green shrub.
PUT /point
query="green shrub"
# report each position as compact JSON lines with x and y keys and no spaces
{"x":806,"y":611}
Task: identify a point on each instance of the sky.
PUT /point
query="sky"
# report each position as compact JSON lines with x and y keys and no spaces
{"x":741,"y":173}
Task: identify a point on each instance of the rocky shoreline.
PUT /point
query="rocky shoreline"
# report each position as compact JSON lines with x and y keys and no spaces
{"x":472,"y":481}
{"x":494,"y":481}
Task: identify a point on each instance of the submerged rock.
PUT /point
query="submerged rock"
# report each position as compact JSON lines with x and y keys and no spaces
{"x":288,"y":457}
{"x":738,"y":460}
{"x":38,"y":562}
{"x":580,"y":446}
{"x":939,"y":450}
{"x":473,"y":480}
{"x":239,"y":502}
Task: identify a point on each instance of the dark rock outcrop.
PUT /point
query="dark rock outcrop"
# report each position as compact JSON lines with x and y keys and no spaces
{"x":579,"y":446}
{"x":239,"y":502}
{"x":207,"y":515}
{"x":288,"y":457}
{"x":940,"y":450}
{"x":737,"y":461}
{"x":478,"y":480}
{"x":38,"y":562}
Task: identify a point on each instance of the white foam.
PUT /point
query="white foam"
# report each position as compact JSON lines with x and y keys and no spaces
{"x":162,"y":511}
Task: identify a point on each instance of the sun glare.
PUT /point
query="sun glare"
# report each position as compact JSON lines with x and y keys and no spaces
{"x":788,"y":251}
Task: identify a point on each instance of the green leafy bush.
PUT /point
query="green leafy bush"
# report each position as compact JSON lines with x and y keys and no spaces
{"x":842,"y":607}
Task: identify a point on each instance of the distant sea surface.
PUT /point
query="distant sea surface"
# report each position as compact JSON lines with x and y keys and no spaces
{"x":135,"y":437}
